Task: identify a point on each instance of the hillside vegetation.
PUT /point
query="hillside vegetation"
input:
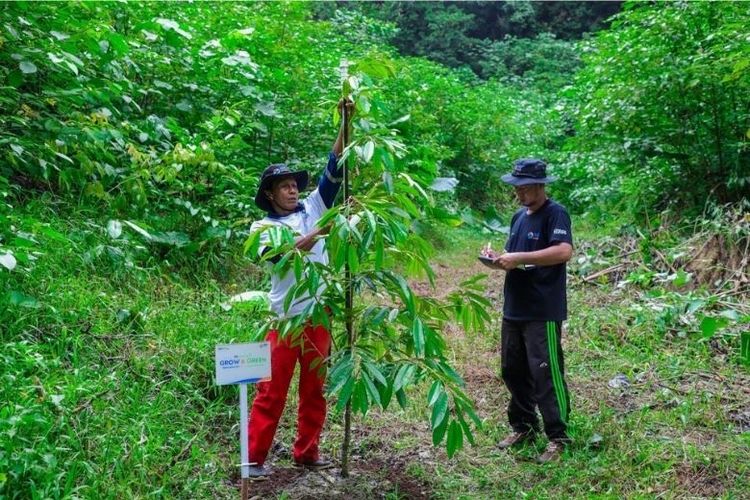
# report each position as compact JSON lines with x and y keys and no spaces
{"x":132,"y":136}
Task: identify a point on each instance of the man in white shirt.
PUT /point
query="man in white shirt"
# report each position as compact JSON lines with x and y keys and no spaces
{"x":278,"y":194}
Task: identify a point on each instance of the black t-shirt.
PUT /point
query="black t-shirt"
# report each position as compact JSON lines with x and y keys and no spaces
{"x":537,"y":293}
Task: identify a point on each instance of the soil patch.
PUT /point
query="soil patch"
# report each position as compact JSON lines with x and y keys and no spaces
{"x":367,"y":479}
{"x":282,"y":479}
{"x":741,"y":419}
{"x":702,"y":480}
{"x":395,"y":479}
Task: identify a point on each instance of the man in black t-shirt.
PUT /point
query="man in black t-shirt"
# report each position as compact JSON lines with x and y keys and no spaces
{"x":535,"y":306}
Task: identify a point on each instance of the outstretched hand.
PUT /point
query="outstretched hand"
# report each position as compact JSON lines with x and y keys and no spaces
{"x":338,"y":145}
{"x":351,"y":108}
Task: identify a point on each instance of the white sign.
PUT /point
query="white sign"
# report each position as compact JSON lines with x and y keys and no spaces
{"x":243,"y":363}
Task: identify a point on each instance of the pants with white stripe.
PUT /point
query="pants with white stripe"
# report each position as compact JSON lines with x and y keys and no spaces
{"x":534,"y":372}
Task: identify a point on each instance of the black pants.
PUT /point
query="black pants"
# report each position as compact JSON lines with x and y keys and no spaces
{"x":533,"y":370}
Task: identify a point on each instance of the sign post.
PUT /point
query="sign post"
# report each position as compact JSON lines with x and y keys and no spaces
{"x":243,"y":364}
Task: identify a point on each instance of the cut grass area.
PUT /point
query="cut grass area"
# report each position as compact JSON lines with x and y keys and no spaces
{"x":672,"y":431}
{"x":678,"y":428}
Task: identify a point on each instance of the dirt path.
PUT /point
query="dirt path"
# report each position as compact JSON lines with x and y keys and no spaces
{"x":377,"y":470}
{"x":393,"y":455}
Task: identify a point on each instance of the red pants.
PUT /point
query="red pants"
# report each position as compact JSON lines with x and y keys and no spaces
{"x":314,"y":344}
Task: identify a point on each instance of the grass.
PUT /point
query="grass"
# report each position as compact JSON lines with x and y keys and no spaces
{"x":672,"y":432}
{"x":107,"y":381}
{"x":107,"y":391}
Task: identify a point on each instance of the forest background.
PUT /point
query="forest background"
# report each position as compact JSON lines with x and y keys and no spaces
{"x":131,"y":140}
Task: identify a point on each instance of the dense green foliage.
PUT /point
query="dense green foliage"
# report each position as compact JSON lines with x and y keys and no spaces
{"x":471,"y":34}
{"x":107,"y":381}
{"x":157,"y":117}
{"x":662,"y":110}
{"x":132,"y":135}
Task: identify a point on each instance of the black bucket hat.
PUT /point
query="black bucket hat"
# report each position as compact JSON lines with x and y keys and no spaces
{"x":528,"y":171}
{"x":274,"y":172}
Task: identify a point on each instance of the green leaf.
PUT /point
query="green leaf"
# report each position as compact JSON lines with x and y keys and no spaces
{"x":406,"y":295}
{"x":367,"y":151}
{"x":360,"y":401}
{"x":118,"y":43}
{"x":297,"y":267}
{"x":401,"y":398}
{"x":466,"y":429}
{"x":404,"y":376}
{"x":252,"y":244}
{"x":375,"y":373}
{"x":345,"y":394}
{"x":438,"y":433}
{"x":681,"y":278}
{"x":54,"y":235}
{"x":379,"y":249}
{"x":340,"y":373}
{"x":313,"y":278}
{"x":371,"y":389}
{"x":386,"y":393}
{"x":745,"y":348}
{"x":453,"y":374}
{"x":20,"y":299}
{"x":709,"y":326}
{"x":27,"y":67}
{"x":435,"y":390}
{"x":375,"y":66}
{"x":417,"y":333}
{"x":455,"y":439}
{"x":352,"y":259}
{"x":282,"y":263}
{"x":327,"y":217}
{"x":440,"y":410}
{"x":138,"y":229}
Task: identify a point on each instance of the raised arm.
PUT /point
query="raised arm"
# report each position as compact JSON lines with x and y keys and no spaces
{"x":330,"y":181}
{"x":338,"y":144}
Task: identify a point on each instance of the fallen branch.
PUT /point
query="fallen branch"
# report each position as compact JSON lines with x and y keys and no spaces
{"x":665,"y":261}
{"x":604,"y":272}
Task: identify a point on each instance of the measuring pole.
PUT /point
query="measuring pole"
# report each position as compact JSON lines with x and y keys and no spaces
{"x":244,"y":455}
{"x":243,"y":364}
{"x":347,"y":273}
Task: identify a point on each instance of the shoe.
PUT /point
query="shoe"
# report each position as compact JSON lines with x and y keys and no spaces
{"x":318,"y":464}
{"x":259,"y":472}
{"x":552,"y":453}
{"x":516,"y":439}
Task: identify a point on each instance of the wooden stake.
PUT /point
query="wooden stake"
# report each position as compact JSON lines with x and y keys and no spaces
{"x":245,"y":488}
